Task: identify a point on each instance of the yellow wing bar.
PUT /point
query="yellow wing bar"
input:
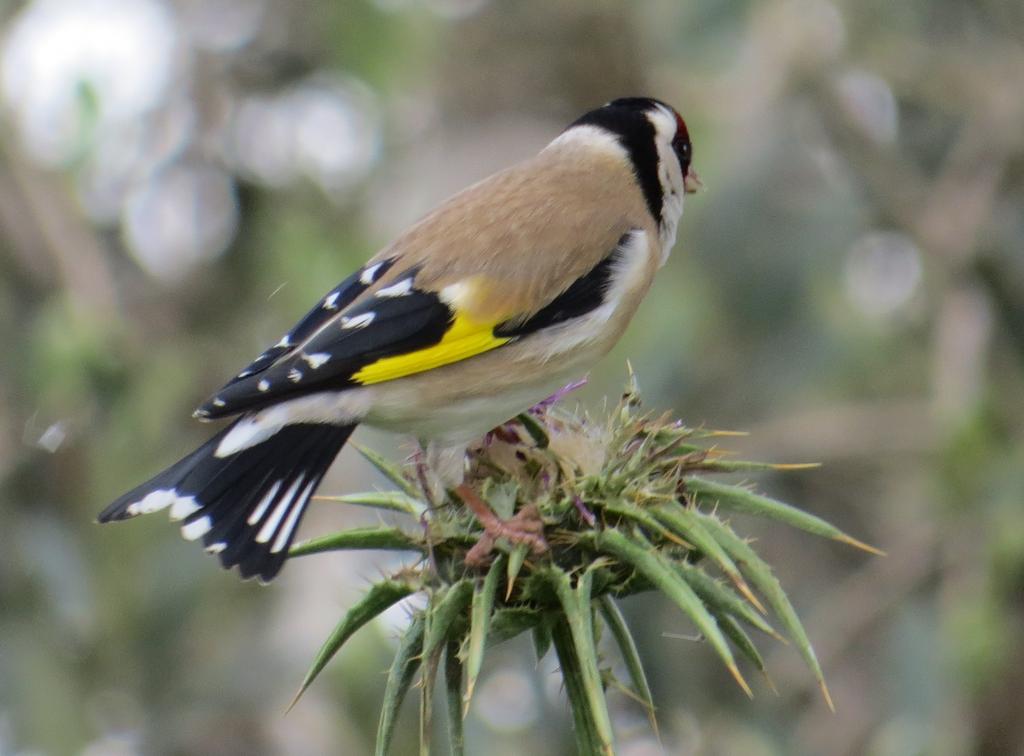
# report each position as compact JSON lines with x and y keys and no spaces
{"x":465,"y":338}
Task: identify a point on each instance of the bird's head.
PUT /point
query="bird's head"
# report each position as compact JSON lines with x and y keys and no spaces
{"x":657,"y":143}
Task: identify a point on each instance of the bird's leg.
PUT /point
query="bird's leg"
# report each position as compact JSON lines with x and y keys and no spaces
{"x":419,"y":457}
{"x":438,"y":469}
{"x":526,"y":526}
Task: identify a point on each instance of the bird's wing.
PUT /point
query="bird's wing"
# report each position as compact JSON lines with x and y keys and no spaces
{"x":450,"y":289}
{"x":399,"y":330}
{"x":336,"y":300}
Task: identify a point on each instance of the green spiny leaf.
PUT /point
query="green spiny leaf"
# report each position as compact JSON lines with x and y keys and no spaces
{"x":641,"y":517}
{"x":516,"y":558}
{"x":739,"y":499}
{"x":380,"y":597}
{"x":428,"y":676}
{"x":576,"y":605}
{"x":453,"y":697}
{"x":479,"y":625}
{"x":390,"y":470}
{"x":656,"y":568}
{"x":630,"y":655}
{"x":721,"y":597}
{"x":443,"y":613}
{"x":542,"y":637}
{"x":741,"y":640}
{"x":686,"y":524}
{"x":719,"y":465}
{"x":393,"y":501}
{"x":588,"y":739}
{"x":509,"y":622}
{"x":761,"y":576}
{"x":358,"y":538}
{"x":400,"y":675}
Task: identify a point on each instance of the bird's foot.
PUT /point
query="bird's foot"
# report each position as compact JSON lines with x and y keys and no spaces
{"x":419,"y":459}
{"x":526,"y":526}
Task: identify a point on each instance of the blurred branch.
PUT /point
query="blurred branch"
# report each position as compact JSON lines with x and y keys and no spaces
{"x":21,"y":234}
{"x":1007,"y":297}
{"x":51,"y":224}
{"x":843,"y":431}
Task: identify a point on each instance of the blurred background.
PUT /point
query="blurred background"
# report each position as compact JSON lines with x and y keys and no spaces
{"x":179,"y":179}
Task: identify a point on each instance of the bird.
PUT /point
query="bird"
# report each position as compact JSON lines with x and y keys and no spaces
{"x":488,"y":304}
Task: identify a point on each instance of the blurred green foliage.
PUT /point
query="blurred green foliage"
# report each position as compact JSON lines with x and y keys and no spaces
{"x":849,"y":289}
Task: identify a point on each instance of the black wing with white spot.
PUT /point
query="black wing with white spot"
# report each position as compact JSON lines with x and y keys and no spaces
{"x":397,"y":320}
{"x":337,"y":299}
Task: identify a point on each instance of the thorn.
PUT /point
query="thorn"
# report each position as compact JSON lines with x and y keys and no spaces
{"x":738,"y":676}
{"x":695,"y":638}
{"x":295,"y":699}
{"x":780,"y":638}
{"x":770,"y":683}
{"x":851,"y":541}
{"x":747,"y":593}
{"x":796,"y":466}
{"x":727,"y":434}
{"x":713,"y":452}
{"x":678,"y":541}
{"x":827,"y":695}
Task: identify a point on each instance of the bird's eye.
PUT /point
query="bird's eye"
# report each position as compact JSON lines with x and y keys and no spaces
{"x":684,"y":151}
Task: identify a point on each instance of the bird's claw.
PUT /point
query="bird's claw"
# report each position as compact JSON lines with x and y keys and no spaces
{"x":526,"y":526}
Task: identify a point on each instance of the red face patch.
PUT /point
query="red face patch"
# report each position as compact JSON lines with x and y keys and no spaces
{"x":681,"y":144}
{"x":681,"y":130}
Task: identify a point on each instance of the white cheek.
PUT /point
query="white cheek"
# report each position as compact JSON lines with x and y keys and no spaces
{"x":671,"y":174}
{"x":671,"y":177}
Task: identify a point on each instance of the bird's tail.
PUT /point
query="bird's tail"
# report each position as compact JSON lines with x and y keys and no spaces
{"x":245,"y":506}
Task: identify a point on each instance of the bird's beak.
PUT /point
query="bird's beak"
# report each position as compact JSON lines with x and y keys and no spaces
{"x":692,"y":182}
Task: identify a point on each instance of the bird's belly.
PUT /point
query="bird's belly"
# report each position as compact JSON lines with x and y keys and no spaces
{"x":453,"y":417}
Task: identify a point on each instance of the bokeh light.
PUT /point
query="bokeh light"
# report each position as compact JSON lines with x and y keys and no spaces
{"x":882,"y":272}
{"x":870,"y":104}
{"x":221,"y":25}
{"x":185,"y":215}
{"x":74,"y":66}
{"x":507,"y":700}
{"x":323,"y":129}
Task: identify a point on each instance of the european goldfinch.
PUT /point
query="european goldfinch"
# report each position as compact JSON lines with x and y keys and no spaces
{"x":501,"y":295}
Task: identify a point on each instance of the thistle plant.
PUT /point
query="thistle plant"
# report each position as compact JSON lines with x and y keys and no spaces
{"x":609,"y":509}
